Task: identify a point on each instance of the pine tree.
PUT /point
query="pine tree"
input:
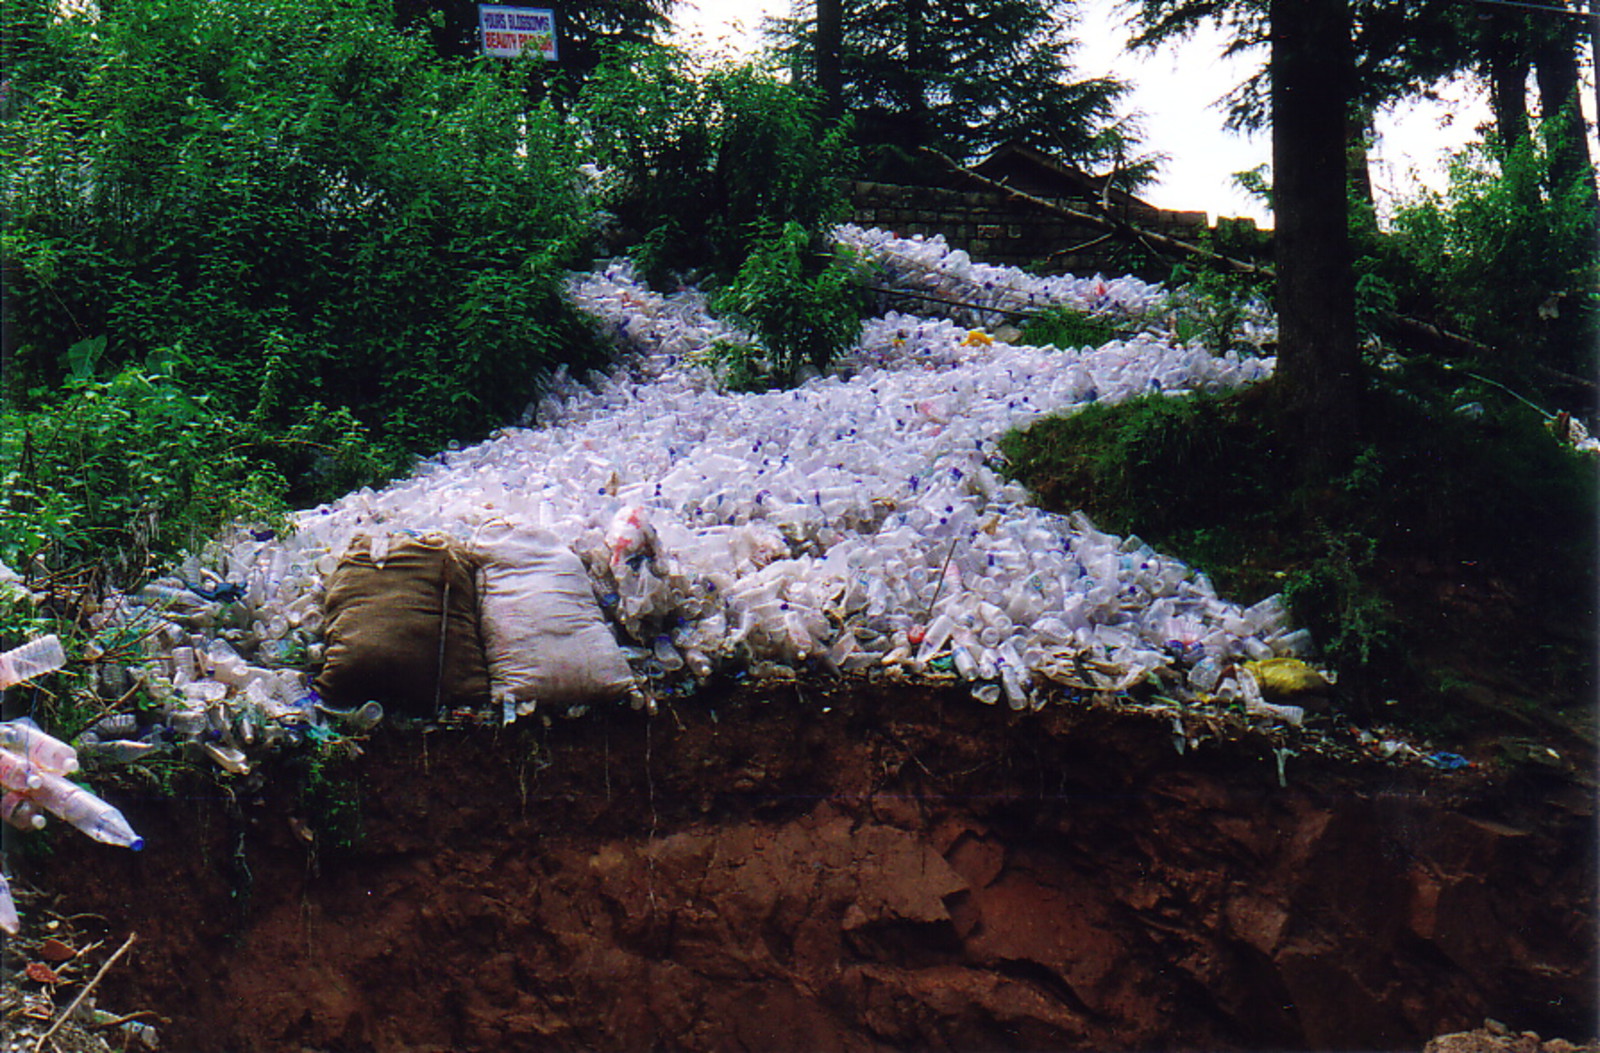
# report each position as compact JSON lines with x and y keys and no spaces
{"x":959,"y":76}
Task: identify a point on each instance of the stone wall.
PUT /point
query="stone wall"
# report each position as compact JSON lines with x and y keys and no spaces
{"x":996,"y":228}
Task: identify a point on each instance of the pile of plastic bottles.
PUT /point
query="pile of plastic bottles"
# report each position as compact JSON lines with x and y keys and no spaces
{"x":925,"y":274}
{"x":949,"y":282}
{"x":857,"y":522}
{"x":34,"y":770}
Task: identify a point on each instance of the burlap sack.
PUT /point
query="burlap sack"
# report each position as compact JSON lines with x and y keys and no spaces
{"x":404,"y":632}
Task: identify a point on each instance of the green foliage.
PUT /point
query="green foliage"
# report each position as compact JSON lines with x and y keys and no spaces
{"x":125,"y":472}
{"x":698,"y":161}
{"x":1216,"y":307}
{"x":803,"y":298}
{"x":965,"y":78}
{"x":296,"y":184}
{"x":330,"y":794}
{"x":740,"y":366}
{"x":1210,"y":479}
{"x":1067,"y":328}
{"x":1506,"y":256}
{"x":1333,"y":596}
{"x":1257,"y":182}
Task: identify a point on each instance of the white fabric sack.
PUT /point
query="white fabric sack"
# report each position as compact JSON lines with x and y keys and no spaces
{"x":543,"y":633}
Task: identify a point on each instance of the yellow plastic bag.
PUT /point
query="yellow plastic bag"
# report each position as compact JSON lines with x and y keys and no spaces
{"x":1288,"y":678}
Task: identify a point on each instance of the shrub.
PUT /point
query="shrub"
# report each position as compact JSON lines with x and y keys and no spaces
{"x":1507,"y":256}
{"x":702,"y":162}
{"x":802,"y":297}
{"x":297,"y":183}
{"x":123,"y":473}
{"x":1065,"y":327}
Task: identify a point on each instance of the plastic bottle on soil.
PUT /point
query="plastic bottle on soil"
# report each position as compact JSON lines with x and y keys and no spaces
{"x":21,"y":811}
{"x":25,"y":738}
{"x":84,"y":810}
{"x":34,"y":658}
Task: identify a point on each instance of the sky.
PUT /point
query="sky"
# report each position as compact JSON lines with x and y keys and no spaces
{"x":1176,"y":90}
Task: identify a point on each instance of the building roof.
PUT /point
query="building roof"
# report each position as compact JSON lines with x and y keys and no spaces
{"x":1035,"y":172}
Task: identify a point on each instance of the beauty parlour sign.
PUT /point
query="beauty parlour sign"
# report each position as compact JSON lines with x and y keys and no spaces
{"x":507,"y":32}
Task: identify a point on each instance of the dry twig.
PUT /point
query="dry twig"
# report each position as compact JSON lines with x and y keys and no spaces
{"x":66,"y":1014}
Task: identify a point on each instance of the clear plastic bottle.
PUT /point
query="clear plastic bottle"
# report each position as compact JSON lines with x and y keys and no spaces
{"x":21,"y":811}
{"x":25,"y":738}
{"x":667,"y":655}
{"x":118,"y":751}
{"x":34,"y":658}
{"x":69,"y":801}
{"x":16,"y":773}
{"x":1016,"y":686}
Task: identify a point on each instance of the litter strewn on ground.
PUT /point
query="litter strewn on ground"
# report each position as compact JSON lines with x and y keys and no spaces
{"x":858,"y":522}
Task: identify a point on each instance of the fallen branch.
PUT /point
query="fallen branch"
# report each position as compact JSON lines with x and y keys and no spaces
{"x":66,"y":1014}
{"x":1013,"y":312}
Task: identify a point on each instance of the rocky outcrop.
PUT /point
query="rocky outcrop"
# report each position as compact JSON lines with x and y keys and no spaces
{"x":903,"y":869}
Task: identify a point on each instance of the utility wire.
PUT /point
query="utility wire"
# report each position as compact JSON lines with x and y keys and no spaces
{"x":1569,"y":12}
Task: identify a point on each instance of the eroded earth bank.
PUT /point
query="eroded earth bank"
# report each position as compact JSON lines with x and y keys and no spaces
{"x":901,"y":868}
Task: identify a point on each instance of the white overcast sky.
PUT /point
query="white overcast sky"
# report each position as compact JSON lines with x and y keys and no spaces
{"x":1176,"y":91}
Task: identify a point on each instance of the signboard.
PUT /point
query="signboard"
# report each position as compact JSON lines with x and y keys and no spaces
{"x":509,"y":31}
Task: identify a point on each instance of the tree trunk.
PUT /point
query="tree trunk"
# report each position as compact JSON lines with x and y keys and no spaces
{"x":1506,"y":59}
{"x":1594,"y":64}
{"x":1556,"y":73}
{"x":1319,"y":375}
{"x":1358,"y":171}
{"x":830,"y":36}
{"x":916,"y":100}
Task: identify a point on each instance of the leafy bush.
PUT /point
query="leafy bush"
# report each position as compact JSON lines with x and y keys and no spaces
{"x":1217,"y":307}
{"x":1065,"y":327}
{"x":802,"y":297}
{"x":123,"y":473}
{"x":699,"y":161}
{"x":1508,"y":257}
{"x":297,"y":183}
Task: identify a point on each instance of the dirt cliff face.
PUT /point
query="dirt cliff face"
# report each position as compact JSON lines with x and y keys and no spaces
{"x":904,"y":869}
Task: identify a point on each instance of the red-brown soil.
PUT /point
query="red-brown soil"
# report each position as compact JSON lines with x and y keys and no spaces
{"x":897,"y":869}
